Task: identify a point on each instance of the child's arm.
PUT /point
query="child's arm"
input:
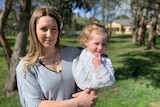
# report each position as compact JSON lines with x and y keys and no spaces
{"x":104,"y":73}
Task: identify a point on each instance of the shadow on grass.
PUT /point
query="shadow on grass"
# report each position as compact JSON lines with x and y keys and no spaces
{"x":121,"y":36}
{"x":140,"y":64}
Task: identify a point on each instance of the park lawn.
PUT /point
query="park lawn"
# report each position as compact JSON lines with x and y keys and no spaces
{"x":129,"y":90}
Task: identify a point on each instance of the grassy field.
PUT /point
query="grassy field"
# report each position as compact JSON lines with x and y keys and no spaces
{"x":129,"y":90}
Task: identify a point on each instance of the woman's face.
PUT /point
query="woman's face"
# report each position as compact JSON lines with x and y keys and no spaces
{"x":47,"y":31}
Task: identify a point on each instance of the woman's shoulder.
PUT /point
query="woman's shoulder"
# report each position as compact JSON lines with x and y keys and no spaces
{"x":71,"y":49}
{"x":70,"y":52}
{"x":21,"y":64}
{"x":31,"y":69}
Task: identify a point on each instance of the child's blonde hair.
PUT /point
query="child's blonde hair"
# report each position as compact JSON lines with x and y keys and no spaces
{"x":85,"y":35}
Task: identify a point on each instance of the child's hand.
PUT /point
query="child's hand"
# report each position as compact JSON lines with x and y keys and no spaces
{"x":97,"y":60}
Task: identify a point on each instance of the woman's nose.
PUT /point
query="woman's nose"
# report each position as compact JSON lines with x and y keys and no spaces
{"x":49,"y":33}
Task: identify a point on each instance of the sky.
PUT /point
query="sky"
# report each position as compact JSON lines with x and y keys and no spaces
{"x":125,"y":7}
{"x":1,"y":3}
{"x":82,"y":13}
{"x":89,"y":14}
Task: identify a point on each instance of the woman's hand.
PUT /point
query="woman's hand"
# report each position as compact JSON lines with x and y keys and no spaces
{"x":86,"y":98}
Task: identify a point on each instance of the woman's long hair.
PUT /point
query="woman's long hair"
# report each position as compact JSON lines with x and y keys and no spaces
{"x":35,"y":49}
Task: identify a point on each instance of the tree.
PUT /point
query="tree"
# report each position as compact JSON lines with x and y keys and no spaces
{"x":3,"y":18}
{"x":141,"y":8}
{"x":64,"y":8}
{"x":153,"y":27}
{"x":139,"y":21}
{"x":20,"y":45}
{"x":143,"y":21}
{"x":123,"y":16}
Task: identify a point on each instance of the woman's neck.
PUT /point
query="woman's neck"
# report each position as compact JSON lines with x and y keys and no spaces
{"x":50,"y":53}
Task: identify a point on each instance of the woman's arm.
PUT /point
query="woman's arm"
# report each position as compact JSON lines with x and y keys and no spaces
{"x":86,"y":98}
{"x":31,"y":94}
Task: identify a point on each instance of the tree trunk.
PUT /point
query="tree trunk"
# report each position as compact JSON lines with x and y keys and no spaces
{"x":134,"y":35}
{"x":3,"y":17}
{"x":135,"y":26}
{"x":152,"y":33}
{"x":6,"y":47}
{"x":20,"y":45}
{"x":143,"y":24}
{"x":153,"y":29}
{"x":103,"y":11}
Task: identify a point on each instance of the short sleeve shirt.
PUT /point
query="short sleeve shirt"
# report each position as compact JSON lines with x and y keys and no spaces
{"x":41,"y":83}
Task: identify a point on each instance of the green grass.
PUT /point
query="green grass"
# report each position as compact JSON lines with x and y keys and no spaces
{"x":128,"y":91}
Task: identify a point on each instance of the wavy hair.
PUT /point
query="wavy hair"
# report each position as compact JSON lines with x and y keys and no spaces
{"x":35,"y":49}
{"x":85,"y":35}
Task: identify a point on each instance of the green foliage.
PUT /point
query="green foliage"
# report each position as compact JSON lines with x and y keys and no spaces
{"x":82,"y":21}
{"x":123,"y":16}
{"x":78,"y":23}
{"x":64,"y":9}
{"x":129,"y":90}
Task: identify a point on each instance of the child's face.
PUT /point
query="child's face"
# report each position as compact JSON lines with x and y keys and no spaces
{"x":97,"y":42}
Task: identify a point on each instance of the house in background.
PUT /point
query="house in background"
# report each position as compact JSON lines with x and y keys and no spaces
{"x":121,"y":26}
{"x":124,"y":26}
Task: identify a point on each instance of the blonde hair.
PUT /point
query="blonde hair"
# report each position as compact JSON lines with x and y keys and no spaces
{"x":85,"y":35}
{"x":35,"y":49}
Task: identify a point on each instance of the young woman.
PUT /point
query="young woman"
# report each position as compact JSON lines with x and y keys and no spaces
{"x":44,"y":75}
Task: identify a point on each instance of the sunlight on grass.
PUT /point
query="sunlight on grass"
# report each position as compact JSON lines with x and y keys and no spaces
{"x":137,"y":73}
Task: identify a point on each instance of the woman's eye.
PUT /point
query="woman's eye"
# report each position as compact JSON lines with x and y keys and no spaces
{"x":44,"y":29}
{"x":53,"y":29}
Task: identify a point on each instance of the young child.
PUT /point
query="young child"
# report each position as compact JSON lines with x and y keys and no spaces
{"x":93,"y":69}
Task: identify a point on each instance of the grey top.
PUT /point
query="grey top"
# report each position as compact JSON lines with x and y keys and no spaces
{"x":41,"y":83}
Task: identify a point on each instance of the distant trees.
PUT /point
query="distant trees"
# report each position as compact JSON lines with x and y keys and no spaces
{"x":106,"y":9}
{"x":123,"y":16}
{"x":64,"y":9}
{"x":145,"y":11}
